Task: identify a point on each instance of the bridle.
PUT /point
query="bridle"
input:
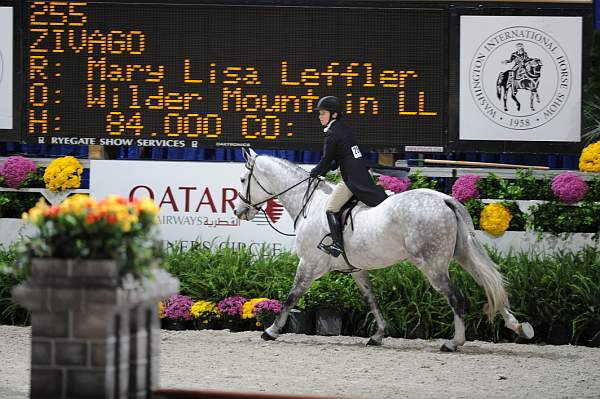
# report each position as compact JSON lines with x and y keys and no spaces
{"x":258,"y":205}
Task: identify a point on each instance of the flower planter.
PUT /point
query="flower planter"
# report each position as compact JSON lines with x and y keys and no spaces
{"x":299,"y":322}
{"x":233,"y":325}
{"x":94,"y":333}
{"x":559,"y":334}
{"x":328,"y":322}
{"x":529,"y":241}
{"x":176,"y":325}
{"x":200,"y":325}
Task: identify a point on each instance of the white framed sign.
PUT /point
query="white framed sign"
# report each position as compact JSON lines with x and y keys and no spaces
{"x":520,"y":78}
{"x":196,"y":201}
{"x":6,"y":67}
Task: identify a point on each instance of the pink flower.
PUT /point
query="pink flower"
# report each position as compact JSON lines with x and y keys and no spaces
{"x":394,"y":184}
{"x":177,"y":307}
{"x":269,"y":305}
{"x":15,"y":169}
{"x":569,"y":187}
{"x":232,"y":305}
{"x":465,"y":188}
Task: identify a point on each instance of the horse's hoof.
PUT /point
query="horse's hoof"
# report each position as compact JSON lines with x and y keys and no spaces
{"x":526,"y":331}
{"x":373,"y":342}
{"x":446,"y":348}
{"x":267,"y":337}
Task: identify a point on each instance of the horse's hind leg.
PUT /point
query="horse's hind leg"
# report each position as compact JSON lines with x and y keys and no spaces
{"x":523,"y":330}
{"x":305,"y":275}
{"x":437,"y":273}
{"x":364,"y":284}
{"x":474,"y":260}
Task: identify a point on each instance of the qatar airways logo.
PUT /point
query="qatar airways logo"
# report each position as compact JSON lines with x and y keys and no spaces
{"x":273,"y":212}
{"x":182,"y":204}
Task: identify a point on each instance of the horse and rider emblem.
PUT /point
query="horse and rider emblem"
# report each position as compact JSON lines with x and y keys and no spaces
{"x":524,"y":75}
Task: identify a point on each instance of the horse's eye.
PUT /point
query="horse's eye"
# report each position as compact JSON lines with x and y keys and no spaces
{"x":243,"y":179}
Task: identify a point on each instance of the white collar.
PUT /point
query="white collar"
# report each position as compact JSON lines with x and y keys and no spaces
{"x":328,"y":126}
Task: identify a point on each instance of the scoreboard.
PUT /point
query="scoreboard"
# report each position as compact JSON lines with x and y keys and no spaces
{"x":206,"y":75}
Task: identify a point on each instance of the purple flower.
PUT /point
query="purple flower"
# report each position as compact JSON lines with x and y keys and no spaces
{"x":394,"y":184}
{"x":269,"y":305}
{"x":232,"y":305}
{"x":569,"y":187}
{"x":177,"y":307}
{"x":15,"y":169}
{"x":465,"y":188}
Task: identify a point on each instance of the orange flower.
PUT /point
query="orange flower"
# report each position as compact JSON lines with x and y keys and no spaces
{"x":111,"y":219}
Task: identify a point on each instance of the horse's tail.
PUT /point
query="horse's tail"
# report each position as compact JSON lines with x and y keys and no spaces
{"x":475,"y":260}
{"x":501,"y":82}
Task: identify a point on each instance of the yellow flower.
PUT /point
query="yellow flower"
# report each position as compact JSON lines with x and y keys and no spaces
{"x":205,"y":309}
{"x":147,"y":205}
{"x":36,"y":214}
{"x":63,"y":173}
{"x":495,"y":219}
{"x":77,"y":204}
{"x":248,"y":308}
{"x":161,"y":310}
{"x":590,"y":158}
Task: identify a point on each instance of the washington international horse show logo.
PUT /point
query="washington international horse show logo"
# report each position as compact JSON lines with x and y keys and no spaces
{"x":273,"y":211}
{"x":520,"y":77}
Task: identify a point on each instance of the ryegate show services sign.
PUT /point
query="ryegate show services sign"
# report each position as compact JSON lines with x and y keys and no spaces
{"x":521,"y":81}
{"x":6,"y":67}
{"x":196,"y":203}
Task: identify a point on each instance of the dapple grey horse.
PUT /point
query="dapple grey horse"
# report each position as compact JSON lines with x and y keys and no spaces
{"x":424,"y":226}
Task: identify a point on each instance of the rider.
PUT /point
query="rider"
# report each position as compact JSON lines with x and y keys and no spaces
{"x":519,"y":57}
{"x":340,"y":149}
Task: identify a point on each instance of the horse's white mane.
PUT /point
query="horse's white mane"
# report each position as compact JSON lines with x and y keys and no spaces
{"x":325,"y":186}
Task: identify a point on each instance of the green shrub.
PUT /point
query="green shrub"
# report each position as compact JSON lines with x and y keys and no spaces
{"x":10,"y":313}
{"x":417,"y":180}
{"x":545,"y":290}
{"x":557,"y":218}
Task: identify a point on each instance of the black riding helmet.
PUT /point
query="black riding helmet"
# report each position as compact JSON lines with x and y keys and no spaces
{"x":331,"y":104}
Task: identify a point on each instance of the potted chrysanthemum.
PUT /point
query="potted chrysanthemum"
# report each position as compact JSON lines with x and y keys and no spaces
{"x":177,"y":313}
{"x":205,"y":315}
{"x":231,"y":309}
{"x":266,"y":311}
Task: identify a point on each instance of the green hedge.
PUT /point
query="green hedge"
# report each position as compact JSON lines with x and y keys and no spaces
{"x":555,"y":293}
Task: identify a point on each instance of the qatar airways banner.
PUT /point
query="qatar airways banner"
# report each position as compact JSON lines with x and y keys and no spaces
{"x":196,"y":201}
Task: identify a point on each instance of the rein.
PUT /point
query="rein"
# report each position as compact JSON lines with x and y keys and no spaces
{"x":258,"y":206}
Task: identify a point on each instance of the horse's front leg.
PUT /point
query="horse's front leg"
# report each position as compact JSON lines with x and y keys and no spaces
{"x":305,"y":275}
{"x":364,"y":284}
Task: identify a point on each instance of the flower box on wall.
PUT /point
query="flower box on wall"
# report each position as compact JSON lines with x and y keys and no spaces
{"x":529,"y":240}
{"x":13,"y":229}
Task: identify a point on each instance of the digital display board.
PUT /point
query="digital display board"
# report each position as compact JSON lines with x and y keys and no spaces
{"x":226,"y":75}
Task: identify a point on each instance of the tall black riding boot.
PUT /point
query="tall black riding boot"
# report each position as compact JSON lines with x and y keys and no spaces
{"x":335,"y":227}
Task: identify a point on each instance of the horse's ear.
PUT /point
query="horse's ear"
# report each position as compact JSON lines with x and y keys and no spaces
{"x":245,"y":154}
{"x":252,"y":152}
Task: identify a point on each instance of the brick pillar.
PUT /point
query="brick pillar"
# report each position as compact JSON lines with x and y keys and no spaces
{"x":92,"y":333}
